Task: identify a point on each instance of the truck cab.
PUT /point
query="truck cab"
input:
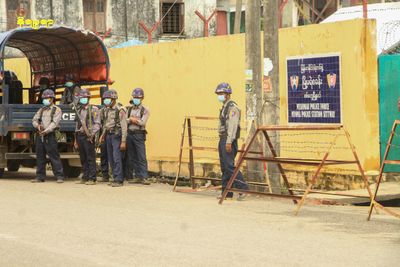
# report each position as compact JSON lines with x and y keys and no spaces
{"x":56,"y":53}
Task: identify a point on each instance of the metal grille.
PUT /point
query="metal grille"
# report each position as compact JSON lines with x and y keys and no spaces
{"x":172,"y":22}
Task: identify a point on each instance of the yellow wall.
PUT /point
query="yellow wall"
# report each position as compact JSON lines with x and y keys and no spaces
{"x":179,"y":79}
{"x":356,"y":42}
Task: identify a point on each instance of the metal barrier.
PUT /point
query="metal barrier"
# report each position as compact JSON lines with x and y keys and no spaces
{"x":189,"y":131}
{"x":325,"y":149}
{"x":385,"y":161}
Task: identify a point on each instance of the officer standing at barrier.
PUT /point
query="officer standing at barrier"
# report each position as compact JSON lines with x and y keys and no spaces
{"x":47,"y":121}
{"x":229,"y":131}
{"x":87,"y":126}
{"x":115,"y":127}
{"x":136,"y":148}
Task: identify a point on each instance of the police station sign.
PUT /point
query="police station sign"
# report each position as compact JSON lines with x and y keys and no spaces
{"x":314,"y":89}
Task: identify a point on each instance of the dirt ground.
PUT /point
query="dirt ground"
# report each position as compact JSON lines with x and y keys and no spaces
{"x":68,"y":224}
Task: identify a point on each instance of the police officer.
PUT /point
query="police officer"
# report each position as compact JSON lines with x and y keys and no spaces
{"x":104,"y":166}
{"x":115,"y":127}
{"x":229,"y":131}
{"x":46,"y":121}
{"x":69,"y":93}
{"x":137,"y":118}
{"x":87,"y":126}
{"x":44,"y":83}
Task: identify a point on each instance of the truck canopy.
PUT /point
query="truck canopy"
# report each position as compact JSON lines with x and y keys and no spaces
{"x":58,"y":52}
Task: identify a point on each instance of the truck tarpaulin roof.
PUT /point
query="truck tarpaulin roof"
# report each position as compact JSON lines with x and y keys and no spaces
{"x":59,"y":52}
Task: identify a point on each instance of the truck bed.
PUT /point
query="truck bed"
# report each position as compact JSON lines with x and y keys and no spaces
{"x":18,"y":118}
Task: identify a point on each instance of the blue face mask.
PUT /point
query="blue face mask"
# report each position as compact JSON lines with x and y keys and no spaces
{"x":83,"y":100}
{"x":46,"y":102}
{"x":69,"y":84}
{"x":107,"y":101}
{"x":221,"y":98}
{"x":136,"y":101}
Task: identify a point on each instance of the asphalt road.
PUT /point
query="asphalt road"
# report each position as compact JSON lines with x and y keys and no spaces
{"x":68,"y":224}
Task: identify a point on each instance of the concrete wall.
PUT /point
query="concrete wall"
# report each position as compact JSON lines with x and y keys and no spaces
{"x":179,"y":79}
{"x":356,"y":42}
{"x":3,"y":15}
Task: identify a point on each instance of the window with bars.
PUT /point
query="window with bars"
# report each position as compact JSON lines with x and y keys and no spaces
{"x":173,"y":14}
{"x":94,"y":15}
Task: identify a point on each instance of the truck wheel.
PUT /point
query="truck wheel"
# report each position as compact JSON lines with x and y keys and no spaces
{"x":12,"y":166}
{"x":1,"y":172}
{"x":72,"y":172}
{"x":69,"y":171}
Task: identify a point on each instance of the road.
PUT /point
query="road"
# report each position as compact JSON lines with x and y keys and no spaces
{"x":68,"y":224}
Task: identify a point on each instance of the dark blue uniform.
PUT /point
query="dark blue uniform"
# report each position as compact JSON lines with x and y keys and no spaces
{"x":115,"y":126}
{"x":229,"y":130}
{"x":136,"y":142}
{"x":48,"y":118}
{"x":90,"y":117}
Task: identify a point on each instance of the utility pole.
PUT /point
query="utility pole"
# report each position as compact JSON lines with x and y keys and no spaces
{"x":271,"y":97}
{"x":253,"y":79}
{"x":238,"y":16}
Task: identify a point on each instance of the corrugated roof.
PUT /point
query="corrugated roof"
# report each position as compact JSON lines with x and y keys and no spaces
{"x":59,"y":51}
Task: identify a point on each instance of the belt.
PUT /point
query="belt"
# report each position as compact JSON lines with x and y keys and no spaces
{"x":113,"y":131}
{"x":137,"y":132}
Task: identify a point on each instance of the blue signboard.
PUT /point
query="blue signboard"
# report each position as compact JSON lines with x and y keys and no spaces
{"x":314,"y":91}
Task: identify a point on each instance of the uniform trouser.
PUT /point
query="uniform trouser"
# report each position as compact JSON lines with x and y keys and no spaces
{"x":114,"y":156}
{"x":48,"y":145}
{"x":87,"y":154}
{"x":104,"y":161}
{"x":136,"y":150}
{"x":227,"y":161}
{"x":125,"y":168}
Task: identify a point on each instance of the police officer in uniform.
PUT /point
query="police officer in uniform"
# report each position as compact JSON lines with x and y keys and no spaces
{"x":46,"y":121}
{"x":136,"y":148}
{"x":44,"y":83}
{"x":115,"y":127}
{"x":87,"y":126}
{"x":70,"y":91}
{"x":104,"y":166}
{"x":229,"y":131}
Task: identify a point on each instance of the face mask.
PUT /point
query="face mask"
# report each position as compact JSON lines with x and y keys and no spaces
{"x":136,"y":101}
{"x":83,"y":100}
{"x":107,"y":101}
{"x":43,"y":86}
{"x":221,"y":98}
{"x":46,"y":102}
{"x":69,"y":84}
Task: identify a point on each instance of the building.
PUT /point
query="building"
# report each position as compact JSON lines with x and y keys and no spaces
{"x":118,"y":20}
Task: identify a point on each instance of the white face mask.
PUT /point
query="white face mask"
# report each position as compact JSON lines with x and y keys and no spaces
{"x":221,"y":98}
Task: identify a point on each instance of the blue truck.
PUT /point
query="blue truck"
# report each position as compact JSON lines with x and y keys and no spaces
{"x":55,"y":53}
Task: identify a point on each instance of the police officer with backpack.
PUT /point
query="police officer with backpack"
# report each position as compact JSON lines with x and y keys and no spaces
{"x":87,"y":126}
{"x":136,"y":148}
{"x":229,"y":131}
{"x":47,"y":121}
{"x":115,"y":130}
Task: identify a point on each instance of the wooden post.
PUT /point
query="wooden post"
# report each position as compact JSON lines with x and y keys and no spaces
{"x":271,"y":98}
